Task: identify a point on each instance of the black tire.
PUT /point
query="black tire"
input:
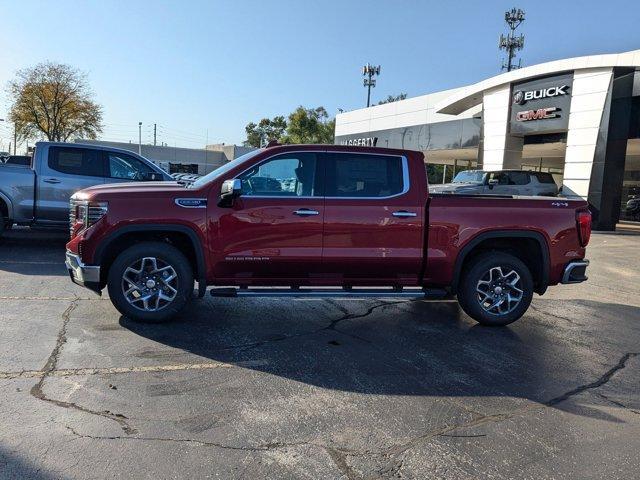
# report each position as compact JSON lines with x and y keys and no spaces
{"x":483,"y":273}
{"x":164,"y":254}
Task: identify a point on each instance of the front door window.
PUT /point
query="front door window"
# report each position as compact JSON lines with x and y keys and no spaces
{"x":289,"y":175}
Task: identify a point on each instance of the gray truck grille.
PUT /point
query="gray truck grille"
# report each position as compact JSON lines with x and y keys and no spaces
{"x":72,"y":214}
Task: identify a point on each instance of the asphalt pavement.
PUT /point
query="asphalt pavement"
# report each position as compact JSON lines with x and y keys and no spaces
{"x":317,"y":388}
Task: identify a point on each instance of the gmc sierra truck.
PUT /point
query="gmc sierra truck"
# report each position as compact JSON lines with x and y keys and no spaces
{"x":324,"y":221}
{"x":37,"y":194}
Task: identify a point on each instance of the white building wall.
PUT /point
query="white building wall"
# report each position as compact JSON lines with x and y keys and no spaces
{"x":403,"y":113}
{"x":496,"y":124}
{"x":589,"y":95}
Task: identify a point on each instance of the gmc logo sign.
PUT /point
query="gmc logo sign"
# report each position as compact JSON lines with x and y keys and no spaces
{"x":520,"y":97}
{"x":540,"y":114}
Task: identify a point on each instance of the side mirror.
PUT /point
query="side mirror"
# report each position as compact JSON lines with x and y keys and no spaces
{"x":230,"y":190}
{"x":492,"y":182}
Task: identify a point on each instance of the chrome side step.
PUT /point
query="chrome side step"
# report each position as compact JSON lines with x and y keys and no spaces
{"x":328,"y":292}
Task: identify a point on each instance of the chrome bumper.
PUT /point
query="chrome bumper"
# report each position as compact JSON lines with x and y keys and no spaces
{"x":84,"y":275}
{"x":575,"y":272}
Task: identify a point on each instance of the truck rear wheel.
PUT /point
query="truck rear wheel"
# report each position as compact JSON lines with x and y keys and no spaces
{"x":496,"y":289}
{"x":150,"y":282}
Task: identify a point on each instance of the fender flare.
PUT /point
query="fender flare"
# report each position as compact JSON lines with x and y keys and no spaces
{"x":475,"y":241}
{"x":200,"y":274}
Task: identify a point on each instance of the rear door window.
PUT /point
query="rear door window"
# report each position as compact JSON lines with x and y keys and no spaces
{"x":76,"y":161}
{"x":355,"y":175}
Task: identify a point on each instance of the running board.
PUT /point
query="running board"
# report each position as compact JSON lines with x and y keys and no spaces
{"x":327,"y":292}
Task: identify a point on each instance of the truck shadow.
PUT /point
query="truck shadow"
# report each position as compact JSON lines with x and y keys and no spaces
{"x":399,"y":348}
{"x":28,"y":251}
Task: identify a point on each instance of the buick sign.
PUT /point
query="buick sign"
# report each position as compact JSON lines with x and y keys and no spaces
{"x":520,"y":97}
{"x":540,"y":106}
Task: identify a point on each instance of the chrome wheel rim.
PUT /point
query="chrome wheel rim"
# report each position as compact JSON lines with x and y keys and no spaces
{"x":150,"y":284}
{"x":499,"y":293}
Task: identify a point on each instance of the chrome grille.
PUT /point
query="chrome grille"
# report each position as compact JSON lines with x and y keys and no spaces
{"x":72,"y":214}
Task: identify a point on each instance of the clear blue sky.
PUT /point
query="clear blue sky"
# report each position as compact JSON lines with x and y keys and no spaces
{"x":198,"y":66}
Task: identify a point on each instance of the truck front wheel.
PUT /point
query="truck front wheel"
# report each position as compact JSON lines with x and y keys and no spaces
{"x":496,"y":289}
{"x":150,"y":282}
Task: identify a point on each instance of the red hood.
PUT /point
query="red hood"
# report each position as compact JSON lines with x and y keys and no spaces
{"x":129,"y":188}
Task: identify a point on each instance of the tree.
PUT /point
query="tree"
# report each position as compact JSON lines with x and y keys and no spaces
{"x":265,"y":131}
{"x":393,"y":98}
{"x":310,"y":125}
{"x":53,"y":100}
{"x":305,"y":125}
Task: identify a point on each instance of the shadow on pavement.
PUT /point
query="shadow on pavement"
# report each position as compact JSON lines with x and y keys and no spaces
{"x":28,"y":251}
{"x":391,"y":348}
{"x":11,"y":466}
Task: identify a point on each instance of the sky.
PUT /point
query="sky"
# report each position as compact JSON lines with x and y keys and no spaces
{"x":202,"y":70}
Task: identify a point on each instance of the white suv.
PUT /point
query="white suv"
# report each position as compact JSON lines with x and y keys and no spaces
{"x":500,"y":182}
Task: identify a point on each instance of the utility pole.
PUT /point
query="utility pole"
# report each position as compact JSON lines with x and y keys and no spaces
{"x":510,"y":43}
{"x":140,"y":138}
{"x":370,"y":71}
{"x":154,"y":134}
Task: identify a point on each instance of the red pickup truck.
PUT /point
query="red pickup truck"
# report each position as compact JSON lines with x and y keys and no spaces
{"x":322,"y":220}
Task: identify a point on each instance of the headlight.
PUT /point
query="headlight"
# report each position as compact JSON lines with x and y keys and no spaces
{"x":86,"y":212}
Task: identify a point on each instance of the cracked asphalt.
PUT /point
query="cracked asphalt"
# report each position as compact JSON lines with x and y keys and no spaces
{"x":332,"y":389}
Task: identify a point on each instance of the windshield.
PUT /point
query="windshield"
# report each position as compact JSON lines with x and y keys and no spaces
{"x":218,"y":172}
{"x":469,"y":176}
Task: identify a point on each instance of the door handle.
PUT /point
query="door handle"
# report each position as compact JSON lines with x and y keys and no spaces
{"x":303,"y":212}
{"x":404,"y":213}
{"x":51,"y":180}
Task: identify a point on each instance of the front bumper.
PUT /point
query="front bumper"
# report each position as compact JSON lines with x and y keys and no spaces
{"x":575,"y":272}
{"x":84,"y":275}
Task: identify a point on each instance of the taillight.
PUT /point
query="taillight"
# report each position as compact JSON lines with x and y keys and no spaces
{"x":583,"y":221}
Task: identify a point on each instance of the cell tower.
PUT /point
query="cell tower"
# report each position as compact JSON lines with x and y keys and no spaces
{"x":370,"y":71}
{"x":510,"y":42}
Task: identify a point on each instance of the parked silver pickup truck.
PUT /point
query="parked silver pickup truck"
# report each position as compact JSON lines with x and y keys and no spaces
{"x":38,"y":194}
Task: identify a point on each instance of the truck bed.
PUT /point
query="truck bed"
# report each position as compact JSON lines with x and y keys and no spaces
{"x":456,"y":220}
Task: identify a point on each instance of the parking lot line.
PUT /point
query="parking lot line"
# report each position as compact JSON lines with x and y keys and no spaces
{"x":68,"y":372}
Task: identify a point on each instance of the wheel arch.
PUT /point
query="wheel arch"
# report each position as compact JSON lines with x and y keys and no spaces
{"x":182,"y":236}
{"x":6,"y":206}
{"x":499,"y":240}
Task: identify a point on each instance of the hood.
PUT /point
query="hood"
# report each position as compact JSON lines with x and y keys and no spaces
{"x":129,"y":188}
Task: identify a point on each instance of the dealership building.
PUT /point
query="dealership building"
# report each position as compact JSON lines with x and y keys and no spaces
{"x":577,"y":118}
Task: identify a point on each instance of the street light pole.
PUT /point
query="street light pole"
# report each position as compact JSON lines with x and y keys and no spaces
{"x":140,"y":138}
{"x":370,"y":71}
